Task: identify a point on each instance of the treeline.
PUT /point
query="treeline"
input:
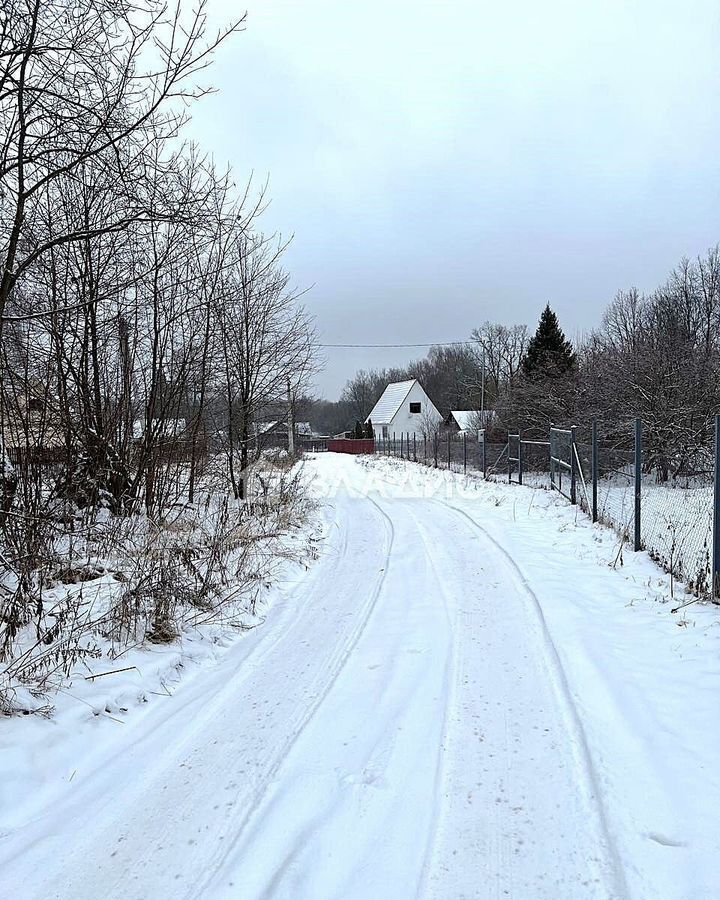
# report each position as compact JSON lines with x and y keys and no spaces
{"x":145,"y":320}
{"x":656,"y":356}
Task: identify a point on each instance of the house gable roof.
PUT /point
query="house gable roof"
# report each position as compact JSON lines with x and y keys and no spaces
{"x":466,"y":418}
{"x":392,"y":399}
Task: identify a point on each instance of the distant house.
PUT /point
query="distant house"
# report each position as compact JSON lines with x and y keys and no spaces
{"x":468,"y":421}
{"x":404,"y":408}
{"x":271,"y":435}
{"x":273,"y":427}
{"x":29,"y":421}
{"x":462,"y":421}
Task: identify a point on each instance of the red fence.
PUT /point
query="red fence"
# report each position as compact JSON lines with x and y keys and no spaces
{"x":348,"y":445}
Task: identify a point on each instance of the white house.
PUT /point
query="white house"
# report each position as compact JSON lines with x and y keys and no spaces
{"x":404,"y":408}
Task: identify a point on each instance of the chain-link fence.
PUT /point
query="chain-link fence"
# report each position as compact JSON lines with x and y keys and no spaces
{"x":619,"y":477}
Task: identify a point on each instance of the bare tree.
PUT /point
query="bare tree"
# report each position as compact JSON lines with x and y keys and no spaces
{"x":93,"y":84}
{"x":265,"y":337}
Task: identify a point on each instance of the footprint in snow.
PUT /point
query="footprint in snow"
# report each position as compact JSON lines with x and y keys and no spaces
{"x":664,"y":840}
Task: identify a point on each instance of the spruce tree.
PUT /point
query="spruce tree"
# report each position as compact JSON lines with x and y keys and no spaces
{"x":549,"y":353}
{"x":369,"y":434}
{"x":359,"y":433}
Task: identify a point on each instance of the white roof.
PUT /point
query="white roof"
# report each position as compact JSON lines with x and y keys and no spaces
{"x":392,"y":399}
{"x":163,"y":427}
{"x":466,"y":418}
{"x":263,"y":427}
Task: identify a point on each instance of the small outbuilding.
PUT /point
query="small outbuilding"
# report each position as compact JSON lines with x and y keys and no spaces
{"x":468,"y":421}
{"x":462,"y":421}
{"x":404,"y":408}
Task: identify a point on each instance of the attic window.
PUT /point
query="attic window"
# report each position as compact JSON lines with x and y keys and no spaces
{"x":35,"y":404}
{"x":414,"y":407}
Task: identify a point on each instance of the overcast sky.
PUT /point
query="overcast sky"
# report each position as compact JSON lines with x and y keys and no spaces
{"x":443,"y":163}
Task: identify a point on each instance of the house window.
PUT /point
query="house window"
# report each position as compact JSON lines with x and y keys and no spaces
{"x":414,"y":407}
{"x":35,"y":404}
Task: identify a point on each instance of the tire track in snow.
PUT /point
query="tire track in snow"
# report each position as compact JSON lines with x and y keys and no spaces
{"x":449,"y":681}
{"x":581,"y":750}
{"x":214,"y":866}
{"x":459,"y":653}
{"x":370,"y":734}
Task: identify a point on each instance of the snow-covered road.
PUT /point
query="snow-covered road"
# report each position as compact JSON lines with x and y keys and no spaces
{"x":400,"y":727}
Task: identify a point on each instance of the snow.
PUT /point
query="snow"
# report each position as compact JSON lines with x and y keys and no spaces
{"x":390,"y":402}
{"x":166,"y":427}
{"x":676,"y":521}
{"x":461,"y":697}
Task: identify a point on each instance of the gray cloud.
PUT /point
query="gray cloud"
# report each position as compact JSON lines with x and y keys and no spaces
{"x":445,"y":163}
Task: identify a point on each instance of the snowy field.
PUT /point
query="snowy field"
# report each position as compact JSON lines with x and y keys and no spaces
{"x":469,"y":694}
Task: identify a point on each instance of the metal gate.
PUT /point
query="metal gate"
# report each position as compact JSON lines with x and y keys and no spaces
{"x":563,"y":469}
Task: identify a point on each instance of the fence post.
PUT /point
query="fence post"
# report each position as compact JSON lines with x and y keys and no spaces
{"x":715,"y":596}
{"x":448,"y":437}
{"x":425,"y":447}
{"x":509,"y":458}
{"x":573,"y":465}
{"x":484,"y":457}
{"x":414,"y":446}
{"x":594,"y":470}
{"x":464,"y":453}
{"x":435,"y":449}
{"x":638,"y":481}
{"x":520,"y":457}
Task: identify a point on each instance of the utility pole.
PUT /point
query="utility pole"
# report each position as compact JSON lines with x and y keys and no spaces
{"x":291,"y":424}
{"x":482,"y":392}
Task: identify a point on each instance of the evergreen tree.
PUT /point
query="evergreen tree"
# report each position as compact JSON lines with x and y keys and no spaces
{"x":549,"y":353}
{"x":359,"y":432}
{"x":369,"y":434}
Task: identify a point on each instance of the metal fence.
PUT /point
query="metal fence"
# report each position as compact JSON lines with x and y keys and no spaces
{"x":618,"y":478}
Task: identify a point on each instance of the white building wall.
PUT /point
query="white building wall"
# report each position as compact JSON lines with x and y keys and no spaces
{"x":406,"y":422}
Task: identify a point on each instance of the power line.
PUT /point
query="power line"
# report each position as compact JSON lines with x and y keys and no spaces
{"x":395,"y":346}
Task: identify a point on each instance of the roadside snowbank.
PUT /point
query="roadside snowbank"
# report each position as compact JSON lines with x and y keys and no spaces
{"x":85,"y":714}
